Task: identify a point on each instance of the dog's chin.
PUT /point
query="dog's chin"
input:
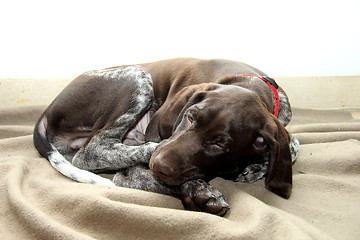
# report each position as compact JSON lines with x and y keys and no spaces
{"x":178,"y":180}
{"x":169,"y":181}
{"x":170,"y":175}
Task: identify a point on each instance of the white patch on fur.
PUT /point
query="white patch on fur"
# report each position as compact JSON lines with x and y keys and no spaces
{"x":136,"y":135}
{"x":284,"y":111}
{"x":43,"y":126}
{"x":141,"y":99}
{"x":134,"y":71}
{"x":67,"y":169}
{"x":294,"y":148}
{"x":105,"y":150}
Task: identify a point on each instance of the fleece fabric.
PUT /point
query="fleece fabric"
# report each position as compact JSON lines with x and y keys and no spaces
{"x":37,"y":202}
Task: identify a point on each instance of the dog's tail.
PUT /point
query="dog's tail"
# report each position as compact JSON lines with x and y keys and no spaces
{"x":58,"y":161}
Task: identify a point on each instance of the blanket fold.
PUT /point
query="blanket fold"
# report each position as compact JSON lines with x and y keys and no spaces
{"x":39,"y":203}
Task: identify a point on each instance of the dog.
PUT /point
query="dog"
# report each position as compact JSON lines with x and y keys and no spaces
{"x":170,"y":127}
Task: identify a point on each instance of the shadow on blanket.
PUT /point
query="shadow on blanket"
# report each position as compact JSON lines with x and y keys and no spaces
{"x":39,"y":203}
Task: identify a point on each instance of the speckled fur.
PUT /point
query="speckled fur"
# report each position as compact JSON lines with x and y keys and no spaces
{"x":285,"y":113}
{"x":294,"y":148}
{"x":105,"y":151}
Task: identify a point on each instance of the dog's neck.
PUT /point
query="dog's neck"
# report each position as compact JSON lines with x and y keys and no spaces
{"x":272,"y":84}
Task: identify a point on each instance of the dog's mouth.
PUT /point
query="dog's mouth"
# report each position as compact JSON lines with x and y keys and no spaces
{"x":167,"y":180}
{"x":172,"y":176}
{"x":165,"y":174}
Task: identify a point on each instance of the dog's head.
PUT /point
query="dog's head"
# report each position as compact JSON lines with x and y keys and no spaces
{"x":213,"y":128}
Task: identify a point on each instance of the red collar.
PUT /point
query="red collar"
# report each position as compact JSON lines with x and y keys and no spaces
{"x":272,"y":84}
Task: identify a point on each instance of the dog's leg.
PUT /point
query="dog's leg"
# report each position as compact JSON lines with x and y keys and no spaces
{"x":140,"y":177}
{"x":196,"y":195}
{"x":294,"y":148}
{"x":254,"y":172}
{"x":105,"y":151}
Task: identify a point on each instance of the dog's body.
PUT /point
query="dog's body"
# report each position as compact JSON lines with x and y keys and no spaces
{"x":189,"y":120}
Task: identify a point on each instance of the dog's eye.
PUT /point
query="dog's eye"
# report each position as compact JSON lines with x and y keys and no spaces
{"x":260,"y":144}
{"x":214,"y":148}
{"x":190,"y":118}
{"x":219,"y":144}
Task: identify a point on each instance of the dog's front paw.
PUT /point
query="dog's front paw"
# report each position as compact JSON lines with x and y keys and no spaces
{"x":198,"y":195}
{"x":252,"y":173}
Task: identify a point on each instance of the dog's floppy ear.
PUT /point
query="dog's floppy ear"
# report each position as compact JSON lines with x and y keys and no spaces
{"x":162,"y":123}
{"x":171,"y":113}
{"x":279,"y":177}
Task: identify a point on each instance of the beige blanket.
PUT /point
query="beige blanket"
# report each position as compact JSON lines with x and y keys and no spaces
{"x":39,"y":203}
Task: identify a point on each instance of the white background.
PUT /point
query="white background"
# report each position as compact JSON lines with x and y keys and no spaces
{"x":62,"y":39}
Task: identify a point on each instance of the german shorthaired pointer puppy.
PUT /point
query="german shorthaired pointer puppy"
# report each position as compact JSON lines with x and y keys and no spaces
{"x":170,"y":127}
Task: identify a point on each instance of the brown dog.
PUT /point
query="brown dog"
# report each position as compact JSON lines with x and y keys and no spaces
{"x":189,"y":120}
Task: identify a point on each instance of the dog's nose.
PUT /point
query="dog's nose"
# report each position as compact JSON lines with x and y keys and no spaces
{"x":161,"y":169}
